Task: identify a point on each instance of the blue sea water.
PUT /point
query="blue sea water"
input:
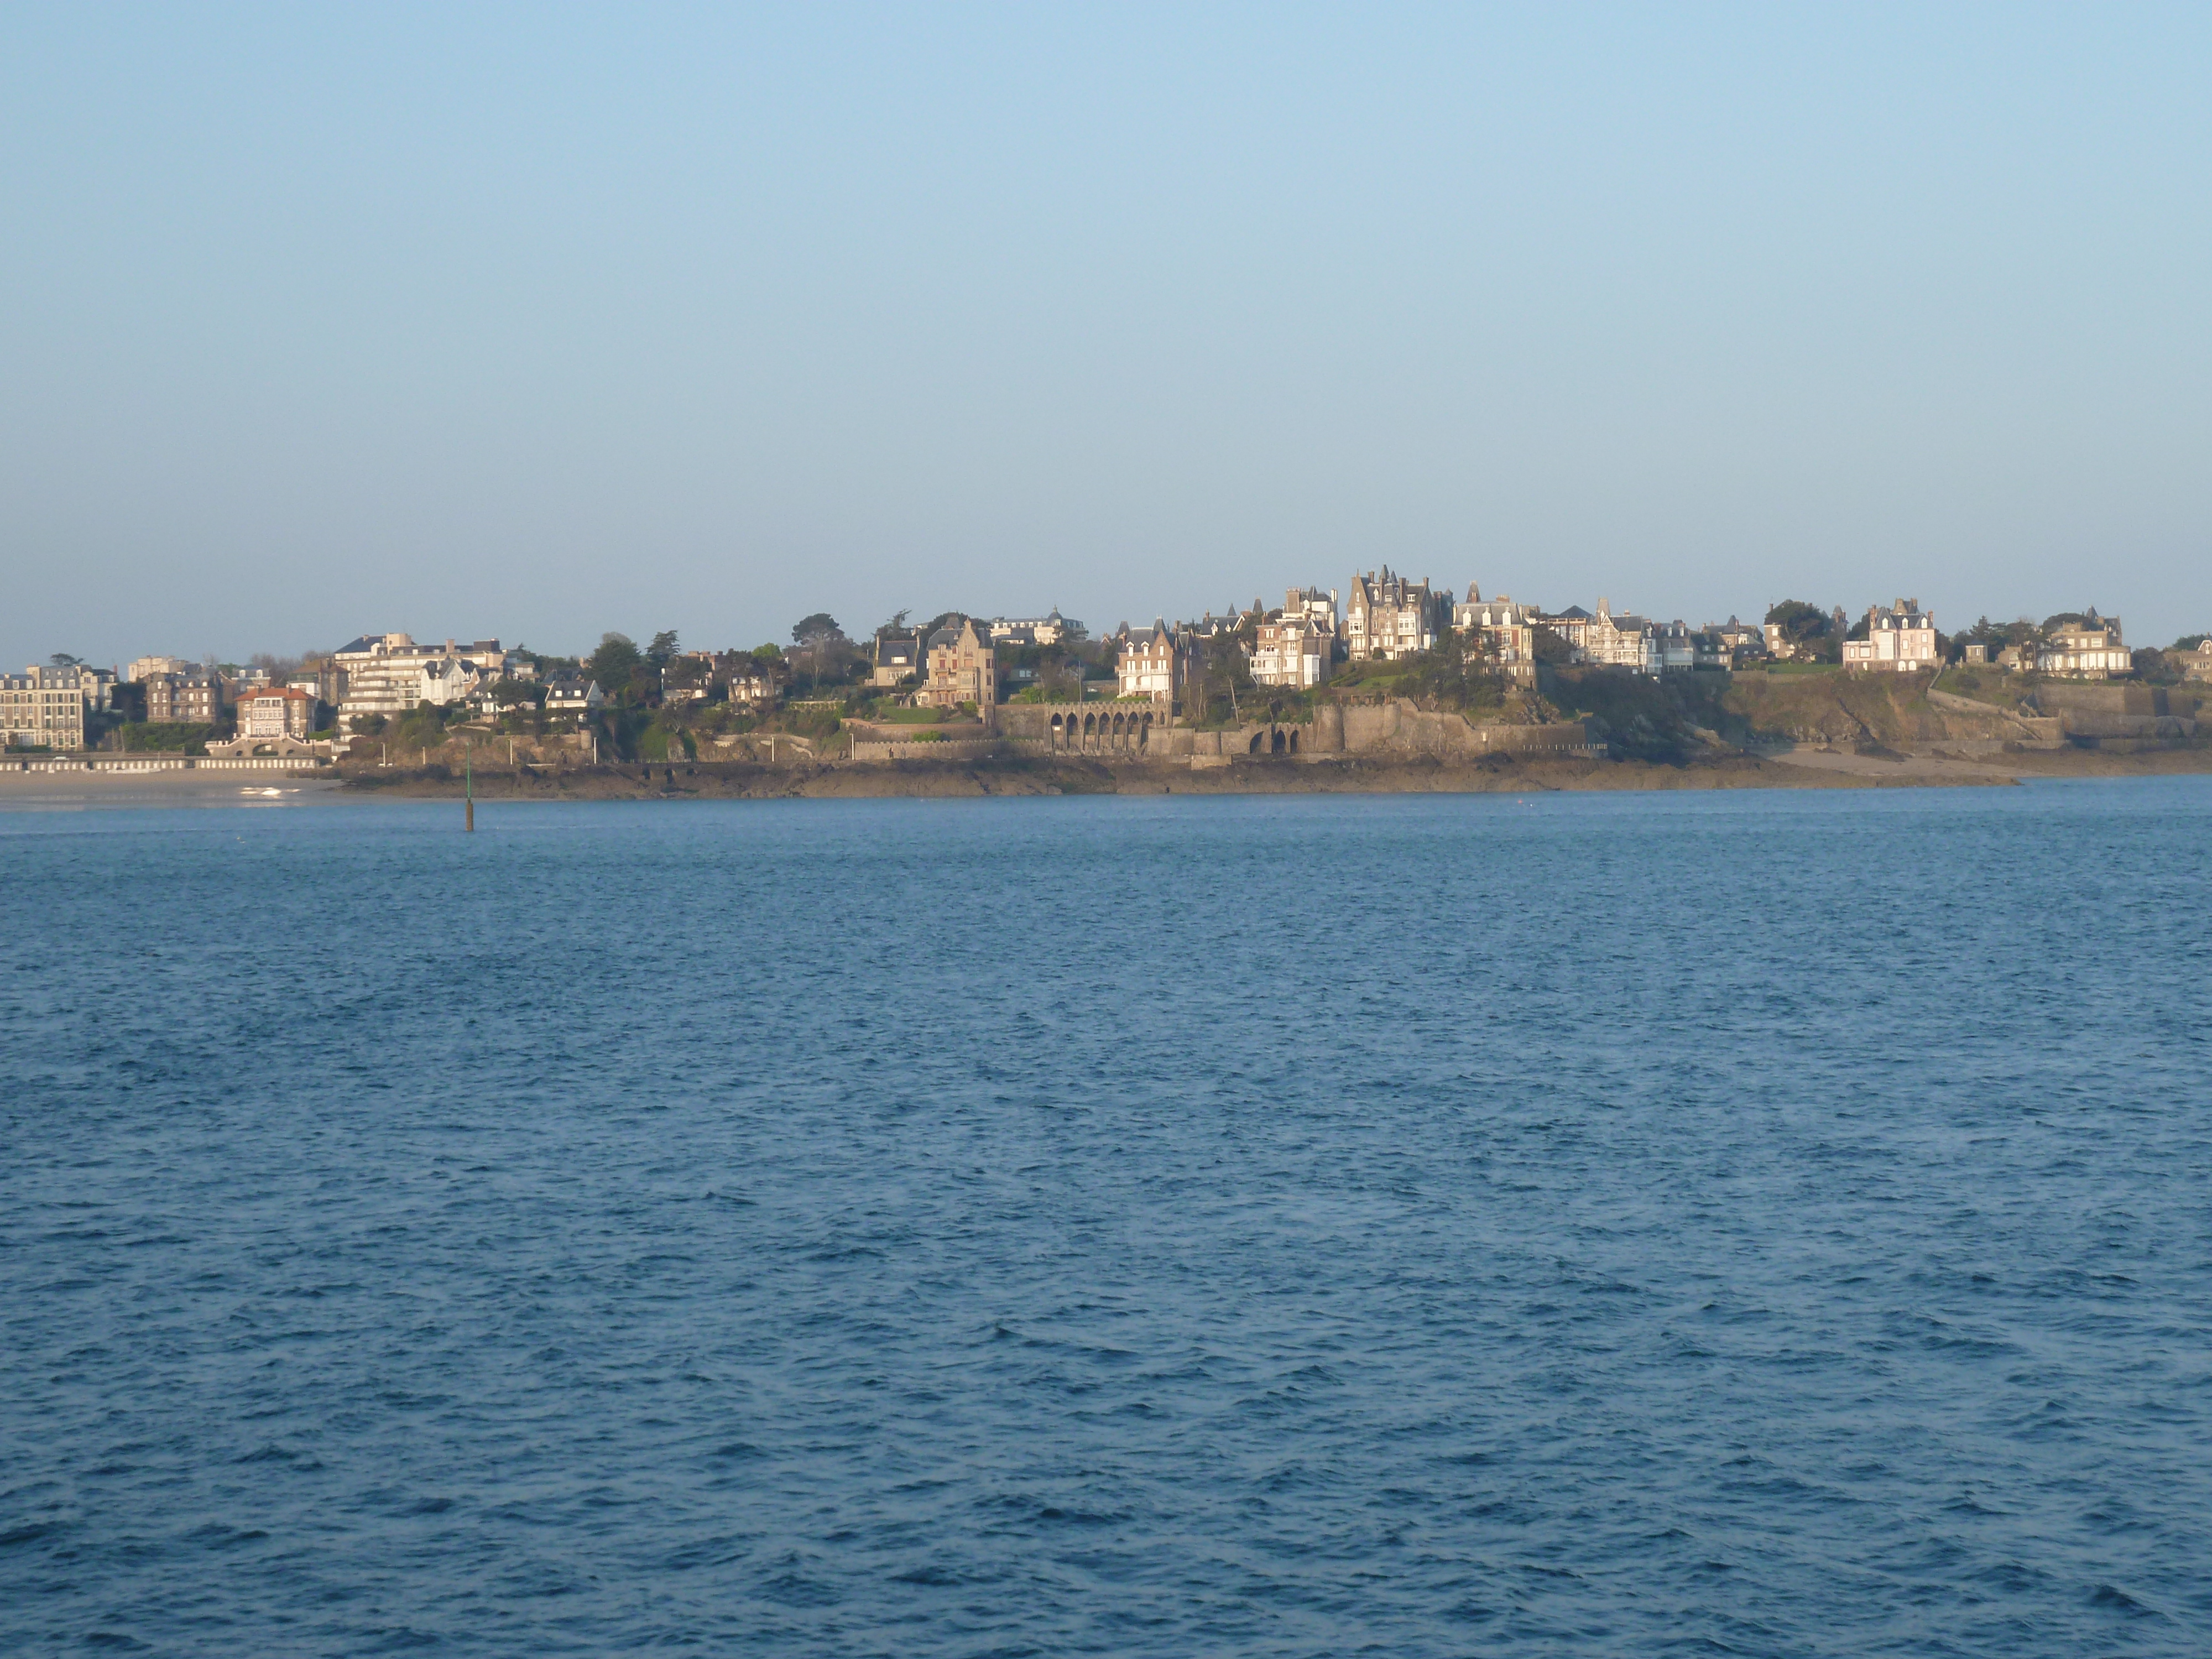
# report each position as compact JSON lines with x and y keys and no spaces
{"x":1760,"y":1223}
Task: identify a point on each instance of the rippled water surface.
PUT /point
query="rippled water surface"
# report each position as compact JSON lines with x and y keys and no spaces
{"x":1740,"y":1223}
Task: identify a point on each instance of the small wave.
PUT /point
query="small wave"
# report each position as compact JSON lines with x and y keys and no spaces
{"x":2119,"y":1601}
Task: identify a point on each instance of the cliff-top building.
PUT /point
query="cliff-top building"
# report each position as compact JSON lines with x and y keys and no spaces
{"x":1625,"y":640}
{"x":2090,"y":649}
{"x":1390,"y":616}
{"x":1501,"y":633}
{"x":1291,"y":648}
{"x":1900,"y":639}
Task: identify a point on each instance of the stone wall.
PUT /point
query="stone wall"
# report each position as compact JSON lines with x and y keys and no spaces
{"x":2108,"y":713}
{"x":951,"y":749}
{"x":1398,"y":729}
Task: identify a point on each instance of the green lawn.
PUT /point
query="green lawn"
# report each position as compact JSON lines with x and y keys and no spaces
{"x":895,"y":715}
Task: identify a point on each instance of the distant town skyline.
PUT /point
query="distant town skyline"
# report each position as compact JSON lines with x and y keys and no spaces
{"x":543,"y":323}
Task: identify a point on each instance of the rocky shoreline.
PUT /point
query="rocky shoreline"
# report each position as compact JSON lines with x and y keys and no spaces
{"x":1819,"y":769}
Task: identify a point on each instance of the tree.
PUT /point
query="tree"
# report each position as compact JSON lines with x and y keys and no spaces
{"x":615,"y":664}
{"x":817,"y":634}
{"x":662,"y":648}
{"x":1801,"y":623}
{"x":895,"y":625}
{"x":2153,"y":669}
{"x":1220,"y":671}
{"x":1456,"y":672}
{"x":1551,"y":647}
{"x":1997,"y":635}
{"x":63,"y":660}
{"x":2188,"y":643}
{"x":815,"y":631}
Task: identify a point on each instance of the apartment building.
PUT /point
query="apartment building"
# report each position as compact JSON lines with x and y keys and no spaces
{"x":46,"y":707}
{"x":275,"y":711}
{"x":388,"y":674}
{"x":191,"y":697}
{"x":1900,"y":639}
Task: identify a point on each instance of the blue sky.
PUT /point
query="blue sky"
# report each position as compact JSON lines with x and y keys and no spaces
{"x":539,"y":321}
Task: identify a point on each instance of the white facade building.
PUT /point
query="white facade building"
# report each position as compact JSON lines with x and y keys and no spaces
{"x":388,"y":674}
{"x":1900,"y":639}
{"x":1035,"y":631}
{"x":2088,"y":650}
{"x":1622,"y":642}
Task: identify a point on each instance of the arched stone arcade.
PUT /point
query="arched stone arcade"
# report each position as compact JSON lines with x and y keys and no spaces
{"x":1102,"y":731}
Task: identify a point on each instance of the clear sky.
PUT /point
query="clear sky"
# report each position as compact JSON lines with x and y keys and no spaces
{"x":539,"y":321}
